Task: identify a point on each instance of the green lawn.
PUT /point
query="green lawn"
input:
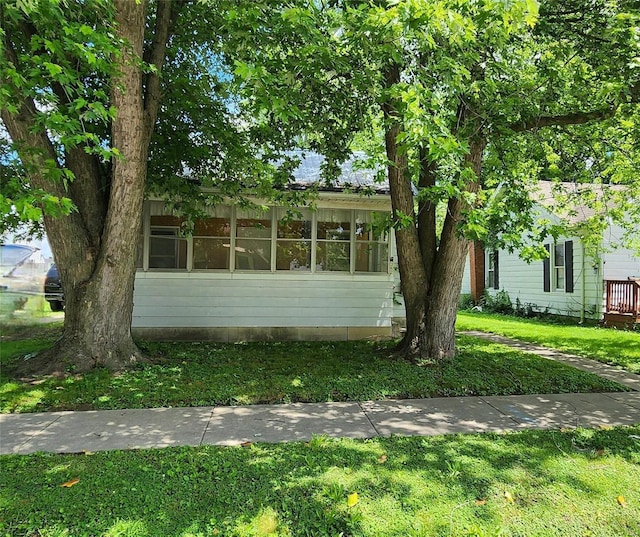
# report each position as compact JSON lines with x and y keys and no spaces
{"x":607,"y":345}
{"x":563,"y":484}
{"x":200,"y":374}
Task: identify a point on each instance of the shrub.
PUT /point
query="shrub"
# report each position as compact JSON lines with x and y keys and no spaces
{"x":466,"y":302}
{"x":498,"y":303}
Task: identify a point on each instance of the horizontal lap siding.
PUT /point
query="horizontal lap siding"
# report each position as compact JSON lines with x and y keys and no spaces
{"x":524,"y":281}
{"x":272,"y":300}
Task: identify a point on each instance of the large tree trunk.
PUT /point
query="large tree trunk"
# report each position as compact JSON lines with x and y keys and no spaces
{"x":412,"y":274}
{"x":95,"y":247}
{"x":438,"y":340}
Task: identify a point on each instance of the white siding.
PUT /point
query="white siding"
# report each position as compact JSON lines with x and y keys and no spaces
{"x":466,"y":277}
{"x":210,"y":300}
{"x":524,"y":281}
{"x":619,"y":263}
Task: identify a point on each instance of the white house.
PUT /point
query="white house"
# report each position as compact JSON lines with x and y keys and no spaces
{"x":249,"y":274}
{"x":571,"y":281}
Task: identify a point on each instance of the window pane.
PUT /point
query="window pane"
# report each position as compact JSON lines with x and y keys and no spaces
{"x":332,"y":256}
{"x":371,"y":257}
{"x":559,"y":255}
{"x":560,"y":278}
{"x":253,"y":254}
{"x":371,"y":226}
{"x":166,"y":220}
{"x":253,"y":224}
{"x":210,"y":253}
{"x":212,"y":227}
{"x":294,"y":229}
{"x":166,"y":249}
{"x":293,"y":255}
{"x":334,"y":224}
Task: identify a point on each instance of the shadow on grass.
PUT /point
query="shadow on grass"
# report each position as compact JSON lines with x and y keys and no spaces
{"x":561,"y":483}
{"x":619,"y":347}
{"x":204,"y":374}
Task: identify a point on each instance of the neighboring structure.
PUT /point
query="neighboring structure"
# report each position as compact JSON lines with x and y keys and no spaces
{"x":258,"y":275}
{"x":571,"y":281}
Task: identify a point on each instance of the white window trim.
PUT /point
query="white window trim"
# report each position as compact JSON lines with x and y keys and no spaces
{"x":555,"y":280}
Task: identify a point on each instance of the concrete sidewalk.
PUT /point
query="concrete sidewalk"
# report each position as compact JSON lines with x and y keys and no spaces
{"x":72,"y":432}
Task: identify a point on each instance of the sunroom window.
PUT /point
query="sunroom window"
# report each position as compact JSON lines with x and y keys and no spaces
{"x":333,"y":248}
{"x":371,"y":242}
{"x":167,"y":250}
{"x":253,"y":240}
{"x":212,"y":241}
{"x":293,"y":245}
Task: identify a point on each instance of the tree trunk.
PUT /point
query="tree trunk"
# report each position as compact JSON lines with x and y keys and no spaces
{"x":412,"y":274}
{"x":438,"y":340}
{"x":96,"y":246}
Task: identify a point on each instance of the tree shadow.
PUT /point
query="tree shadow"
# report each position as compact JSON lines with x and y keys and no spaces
{"x":407,"y":486}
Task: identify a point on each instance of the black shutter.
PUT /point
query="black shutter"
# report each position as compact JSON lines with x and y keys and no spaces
{"x":496,"y":272}
{"x":546,"y":269}
{"x":568,"y":266}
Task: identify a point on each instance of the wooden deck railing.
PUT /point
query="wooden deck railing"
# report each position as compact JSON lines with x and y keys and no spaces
{"x":623,"y":296}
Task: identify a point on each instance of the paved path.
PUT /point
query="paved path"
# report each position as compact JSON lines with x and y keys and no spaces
{"x":72,"y":432}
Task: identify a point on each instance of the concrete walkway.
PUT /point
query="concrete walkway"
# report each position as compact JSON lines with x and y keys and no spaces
{"x":72,"y":432}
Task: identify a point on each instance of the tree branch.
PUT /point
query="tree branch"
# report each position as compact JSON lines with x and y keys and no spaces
{"x":86,"y":189}
{"x":166,"y":16}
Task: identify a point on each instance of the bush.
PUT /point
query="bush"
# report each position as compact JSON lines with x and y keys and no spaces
{"x":526,"y":310}
{"x":498,"y":303}
{"x":466,"y":302}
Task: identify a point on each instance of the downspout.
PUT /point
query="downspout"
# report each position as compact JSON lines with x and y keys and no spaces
{"x":584,"y":284}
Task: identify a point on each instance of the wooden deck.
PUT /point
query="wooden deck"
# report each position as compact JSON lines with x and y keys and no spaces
{"x":622,"y":308}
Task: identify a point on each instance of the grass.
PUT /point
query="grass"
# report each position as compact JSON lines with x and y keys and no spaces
{"x":202,"y":374}
{"x":603,"y":344}
{"x":569,"y":484}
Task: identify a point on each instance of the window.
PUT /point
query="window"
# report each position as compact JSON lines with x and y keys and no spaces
{"x":167,"y":250}
{"x":293,"y":245}
{"x":279,"y":239}
{"x":492,"y":272}
{"x":333,"y":248}
{"x":558,"y":267}
{"x":212,"y":241}
{"x":253,"y":240}
{"x":372,"y":253}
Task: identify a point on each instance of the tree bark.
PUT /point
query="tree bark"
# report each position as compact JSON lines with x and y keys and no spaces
{"x":438,"y":339}
{"x":412,"y":274}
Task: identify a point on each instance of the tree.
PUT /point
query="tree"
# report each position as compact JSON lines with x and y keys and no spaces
{"x":103,"y":101}
{"x":81,"y":91}
{"x":456,"y":83}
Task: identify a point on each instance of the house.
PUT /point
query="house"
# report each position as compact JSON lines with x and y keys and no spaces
{"x":574,"y":280}
{"x":250,"y":274}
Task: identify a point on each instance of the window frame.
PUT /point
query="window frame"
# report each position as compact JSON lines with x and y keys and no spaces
{"x":559,"y":279}
{"x":350,"y":244}
{"x":176,"y":238}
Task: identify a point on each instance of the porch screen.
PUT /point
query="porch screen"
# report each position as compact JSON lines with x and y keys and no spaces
{"x":253,"y":239}
{"x":371,"y":242}
{"x":333,"y":249}
{"x":167,"y":249}
{"x":212,"y":240}
{"x":293,"y":246}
